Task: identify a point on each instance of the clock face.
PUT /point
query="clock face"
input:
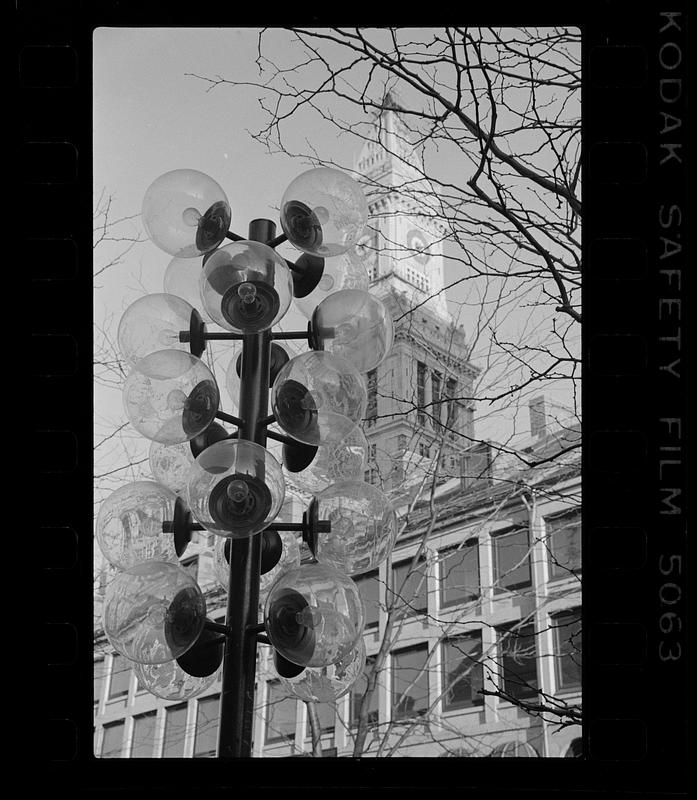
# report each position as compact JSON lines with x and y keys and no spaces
{"x":418,"y":243}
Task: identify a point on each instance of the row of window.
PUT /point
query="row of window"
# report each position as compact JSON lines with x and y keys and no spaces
{"x":513,"y":667}
{"x":144,"y":738}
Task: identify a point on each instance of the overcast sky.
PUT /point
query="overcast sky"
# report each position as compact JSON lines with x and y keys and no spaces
{"x":150,"y":117}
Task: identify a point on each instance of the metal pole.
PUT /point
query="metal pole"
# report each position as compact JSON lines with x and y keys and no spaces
{"x":239,"y":660}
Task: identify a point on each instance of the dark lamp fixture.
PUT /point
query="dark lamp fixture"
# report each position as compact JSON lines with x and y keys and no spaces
{"x":228,"y":483}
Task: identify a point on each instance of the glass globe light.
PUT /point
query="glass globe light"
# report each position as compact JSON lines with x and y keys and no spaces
{"x":290,"y":557}
{"x":232,"y":380}
{"x":314,"y":615}
{"x":169,"y":681}
{"x":129,"y":525}
{"x":315,"y":395}
{"x":170,"y":465}
{"x":356,"y":326}
{"x":323,"y":212}
{"x":153,"y":323}
{"x":341,"y":460}
{"x":245,"y":287}
{"x":363,"y":526}
{"x":170,"y":396}
{"x":186,"y":213}
{"x":327,"y":684}
{"x":153,"y":612}
{"x":181,"y":279}
{"x":347,"y":271}
{"x":236,"y":488}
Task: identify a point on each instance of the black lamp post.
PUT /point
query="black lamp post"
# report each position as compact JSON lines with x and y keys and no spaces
{"x":235,"y":487}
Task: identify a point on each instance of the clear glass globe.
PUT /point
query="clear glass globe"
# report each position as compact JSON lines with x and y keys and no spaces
{"x":356,"y":326}
{"x":170,"y":465}
{"x":181,"y":279}
{"x":323,"y":212}
{"x":170,"y":396}
{"x":341,"y":460}
{"x":186,"y":213}
{"x":236,"y":488}
{"x":316,"y":395}
{"x":327,"y":684}
{"x":169,"y":681}
{"x":314,"y":615}
{"x":245,"y":287}
{"x":290,"y":557}
{"x":363,"y":526}
{"x":347,"y":271}
{"x":153,"y":323}
{"x":129,"y":525}
{"x":153,"y":612}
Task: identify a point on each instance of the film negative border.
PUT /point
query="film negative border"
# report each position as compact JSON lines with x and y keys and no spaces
{"x":635,"y":401}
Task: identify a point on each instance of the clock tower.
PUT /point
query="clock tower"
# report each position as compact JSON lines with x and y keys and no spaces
{"x":420,"y":412}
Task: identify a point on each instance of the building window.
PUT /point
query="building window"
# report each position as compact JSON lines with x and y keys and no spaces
{"x":372,"y":451}
{"x":280,"y":714}
{"x":564,"y":544}
{"x":112,"y":743}
{"x":358,"y":690}
{"x":371,"y":412}
{"x":567,"y":649}
{"x":410,"y":587}
{"x":207,"y":718}
{"x":98,"y":684}
{"x":190,"y":565}
{"x":463,"y":672}
{"x":401,"y":441}
{"x":175,"y":731}
{"x":453,"y":408}
{"x":511,"y":560}
{"x":420,"y":392}
{"x":369,"y":589}
{"x":409,"y":682}
{"x":144,"y":735}
{"x":477,"y":466}
{"x":120,"y":678}
{"x":326,"y":715}
{"x":424,"y":450}
{"x":437,"y":405}
{"x":459,"y":574}
{"x":518,"y":661}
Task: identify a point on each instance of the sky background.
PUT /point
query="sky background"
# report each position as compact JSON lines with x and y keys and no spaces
{"x":149,"y":118}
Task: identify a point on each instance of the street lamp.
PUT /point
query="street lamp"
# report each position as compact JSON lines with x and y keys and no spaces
{"x":228,"y":483}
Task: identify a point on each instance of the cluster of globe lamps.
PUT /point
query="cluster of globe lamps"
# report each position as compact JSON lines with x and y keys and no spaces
{"x":209,"y":478}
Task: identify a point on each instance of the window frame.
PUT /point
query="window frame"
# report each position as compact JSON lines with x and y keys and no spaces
{"x":278,"y":737}
{"x":123,"y":694}
{"x":208,"y":700}
{"x":574,"y":618}
{"x":354,"y":697}
{"x":556,"y":570}
{"x":119,"y":723}
{"x":476,"y":701}
{"x":496,"y":537}
{"x":443,"y":557}
{"x":145,"y":714}
{"x":364,"y":577}
{"x":169,"y":710}
{"x":394,"y":654}
{"x":410,"y":611}
{"x":526,"y":691}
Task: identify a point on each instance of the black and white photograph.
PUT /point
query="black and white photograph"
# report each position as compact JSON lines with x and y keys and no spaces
{"x":337,"y":286}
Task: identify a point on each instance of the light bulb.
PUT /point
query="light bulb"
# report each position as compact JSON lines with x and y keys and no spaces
{"x":129,"y":525}
{"x":245,"y":287}
{"x":314,"y":615}
{"x":170,"y":396}
{"x":323,"y":212}
{"x":186,"y":213}
{"x":153,"y":323}
{"x":236,"y":488}
{"x":316,"y":396}
{"x":363,"y":526}
{"x":356,"y":326}
{"x":153,"y":612}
